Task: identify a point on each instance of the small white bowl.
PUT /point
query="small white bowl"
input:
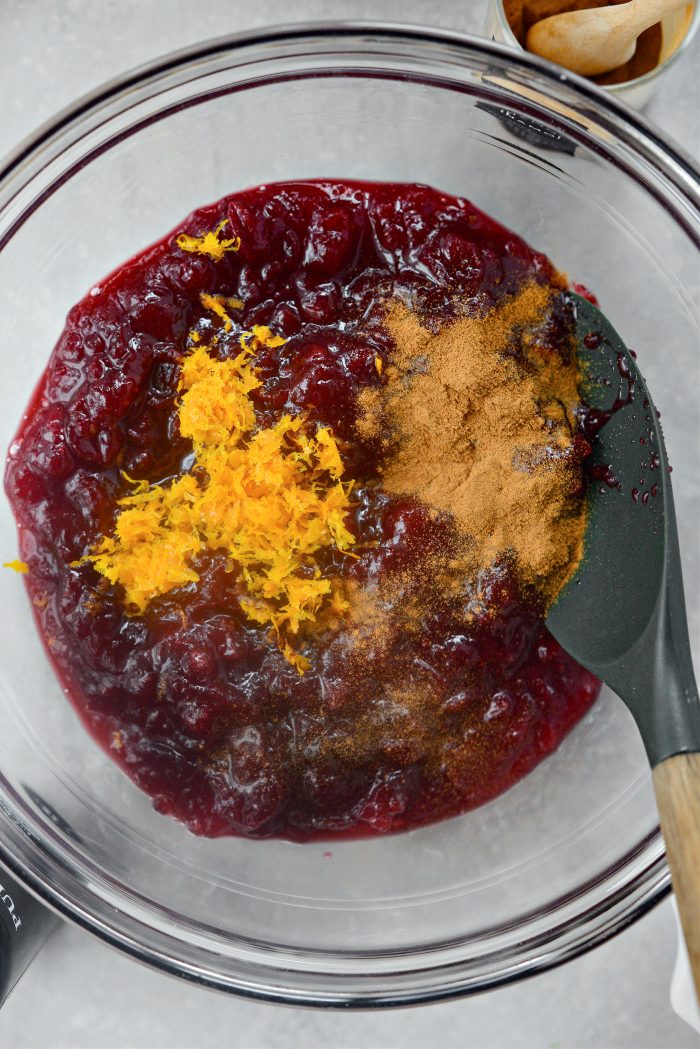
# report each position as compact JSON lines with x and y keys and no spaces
{"x":677,"y":30}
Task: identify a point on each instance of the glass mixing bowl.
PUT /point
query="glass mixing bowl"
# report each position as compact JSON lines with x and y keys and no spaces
{"x":572,"y":854}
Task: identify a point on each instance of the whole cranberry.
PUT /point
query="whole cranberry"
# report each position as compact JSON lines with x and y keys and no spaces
{"x":332,"y":240}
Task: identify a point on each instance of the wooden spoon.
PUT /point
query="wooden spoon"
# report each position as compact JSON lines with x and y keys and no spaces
{"x":597,"y":40}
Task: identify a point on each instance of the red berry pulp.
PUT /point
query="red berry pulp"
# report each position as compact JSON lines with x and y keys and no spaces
{"x":193,"y":701}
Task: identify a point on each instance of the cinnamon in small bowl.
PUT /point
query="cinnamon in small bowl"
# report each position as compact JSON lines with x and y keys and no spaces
{"x":633,"y":82}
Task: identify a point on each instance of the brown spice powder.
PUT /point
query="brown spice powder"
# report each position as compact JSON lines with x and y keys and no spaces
{"x":486,"y":434}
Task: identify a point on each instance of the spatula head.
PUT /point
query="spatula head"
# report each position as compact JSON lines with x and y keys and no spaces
{"x":622,"y":615}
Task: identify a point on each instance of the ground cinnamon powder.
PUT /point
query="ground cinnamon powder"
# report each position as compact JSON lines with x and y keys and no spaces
{"x":477,"y":422}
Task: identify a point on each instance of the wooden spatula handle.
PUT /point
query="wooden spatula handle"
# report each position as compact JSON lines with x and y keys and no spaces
{"x":677,"y":786}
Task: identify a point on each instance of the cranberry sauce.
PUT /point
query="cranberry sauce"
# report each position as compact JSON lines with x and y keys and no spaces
{"x":194,"y":701}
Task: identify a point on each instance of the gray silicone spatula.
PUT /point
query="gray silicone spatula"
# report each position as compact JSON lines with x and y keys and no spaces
{"x":622,"y":616}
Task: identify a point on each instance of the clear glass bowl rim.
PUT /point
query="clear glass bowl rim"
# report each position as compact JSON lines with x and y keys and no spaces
{"x":428,"y":979}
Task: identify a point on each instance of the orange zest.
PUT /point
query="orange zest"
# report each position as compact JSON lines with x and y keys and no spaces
{"x":17,"y":566}
{"x":272,"y":499}
{"x":209,"y":243}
